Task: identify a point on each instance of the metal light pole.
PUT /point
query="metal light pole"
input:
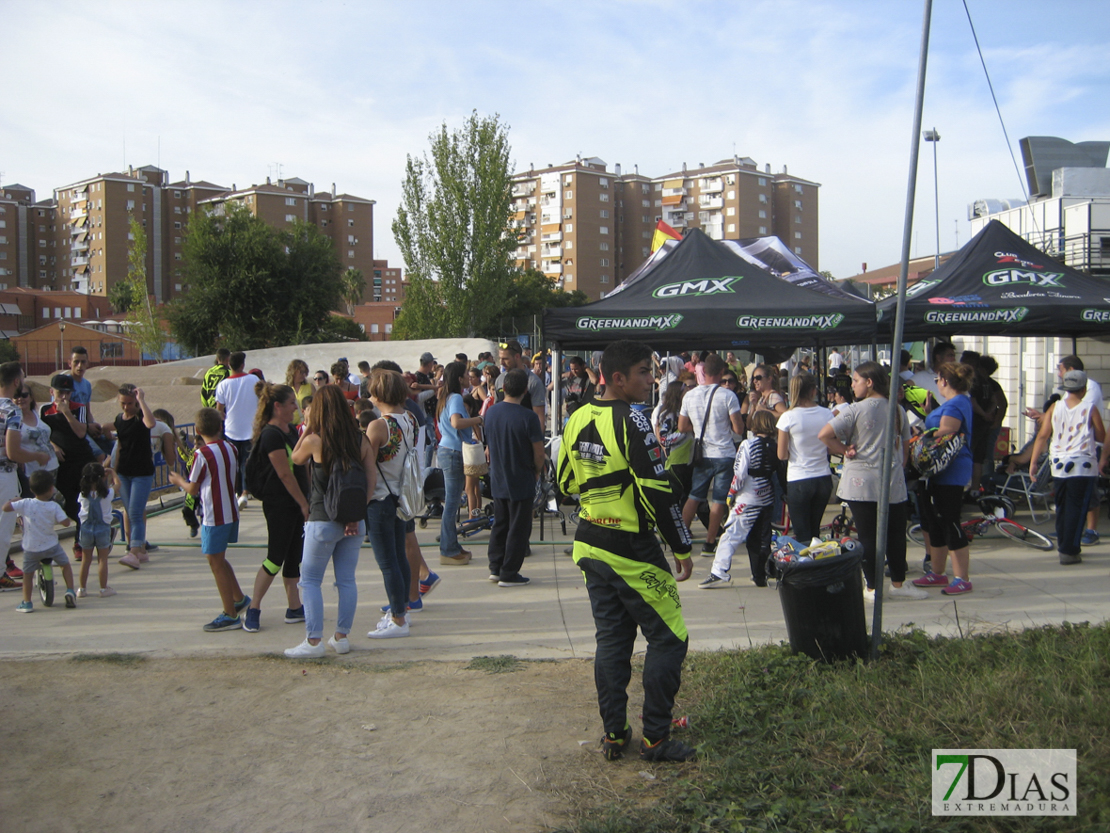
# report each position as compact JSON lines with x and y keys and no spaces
{"x":934,"y":137}
{"x":61,"y":345}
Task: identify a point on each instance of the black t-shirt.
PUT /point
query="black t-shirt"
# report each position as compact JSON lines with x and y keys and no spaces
{"x":429,"y":403}
{"x":135,"y":456}
{"x":273,"y":439}
{"x":510,"y":431}
{"x":75,"y":449}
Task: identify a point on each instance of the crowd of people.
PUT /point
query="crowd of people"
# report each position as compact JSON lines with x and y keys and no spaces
{"x":328,"y":454}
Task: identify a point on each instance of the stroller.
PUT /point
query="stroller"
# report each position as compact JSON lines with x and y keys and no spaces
{"x":435,"y":492}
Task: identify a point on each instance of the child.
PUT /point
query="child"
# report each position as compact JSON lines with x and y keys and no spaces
{"x":40,"y":541}
{"x":750,"y":519}
{"x":97,"y":493}
{"x":213,"y":478}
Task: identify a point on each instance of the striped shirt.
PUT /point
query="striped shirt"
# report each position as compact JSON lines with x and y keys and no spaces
{"x":214,"y":467}
{"x":11,"y":419}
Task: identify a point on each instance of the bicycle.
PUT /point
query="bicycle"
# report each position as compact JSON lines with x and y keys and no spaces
{"x":45,"y":581}
{"x":996,"y":511}
{"x":840,"y":526}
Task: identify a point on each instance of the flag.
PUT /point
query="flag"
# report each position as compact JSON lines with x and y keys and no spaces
{"x":662,"y":232}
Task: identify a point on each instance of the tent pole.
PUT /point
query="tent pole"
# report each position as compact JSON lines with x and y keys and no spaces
{"x":896,"y":342}
{"x":556,"y":391}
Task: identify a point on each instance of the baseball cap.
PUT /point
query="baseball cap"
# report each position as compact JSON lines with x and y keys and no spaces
{"x":64,"y":382}
{"x":427,"y":357}
{"x":1073,"y":380}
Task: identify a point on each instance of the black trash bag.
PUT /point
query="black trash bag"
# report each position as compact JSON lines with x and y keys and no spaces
{"x":822,"y":602}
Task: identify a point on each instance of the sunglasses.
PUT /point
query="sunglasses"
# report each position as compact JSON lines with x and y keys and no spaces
{"x":321,"y":378}
{"x":757,"y":378}
{"x":729,"y":381}
{"x":21,"y":394}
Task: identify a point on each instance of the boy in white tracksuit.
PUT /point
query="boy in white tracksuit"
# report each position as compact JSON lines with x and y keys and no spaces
{"x":750,"y":519}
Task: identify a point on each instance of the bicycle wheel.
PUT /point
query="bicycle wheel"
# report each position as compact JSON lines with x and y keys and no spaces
{"x":46,"y":584}
{"x":1029,"y":537}
{"x":915,"y":534}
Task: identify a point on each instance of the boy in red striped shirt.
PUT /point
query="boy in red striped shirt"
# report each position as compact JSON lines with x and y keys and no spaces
{"x":213,"y":478}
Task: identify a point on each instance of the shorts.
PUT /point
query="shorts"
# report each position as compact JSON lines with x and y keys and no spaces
{"x":99,"y":537}
{"x":715,"y":472}
{"x":941,"y":507}
{"x":33,"y":560}
{"x":214,"y":539}
{"x":284,"y":538}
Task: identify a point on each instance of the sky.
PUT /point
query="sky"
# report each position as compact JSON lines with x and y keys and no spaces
{"x":335,"y":92}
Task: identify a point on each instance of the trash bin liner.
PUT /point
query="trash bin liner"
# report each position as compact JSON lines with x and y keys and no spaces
{"x":822,"y":602}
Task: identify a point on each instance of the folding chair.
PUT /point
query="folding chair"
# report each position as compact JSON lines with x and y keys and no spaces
{"x":1019,"y":483}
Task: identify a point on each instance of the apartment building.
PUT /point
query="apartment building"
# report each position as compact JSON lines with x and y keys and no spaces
{"x":80,"y":240}
{"x":588,"y":229}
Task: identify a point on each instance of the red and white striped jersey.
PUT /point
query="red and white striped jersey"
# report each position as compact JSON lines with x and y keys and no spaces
{"x":214,"y":469}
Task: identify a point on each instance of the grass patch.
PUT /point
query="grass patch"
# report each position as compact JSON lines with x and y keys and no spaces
{"x":789,"y":744}
{"x":503,"y":664}
{"x":112,"y":658}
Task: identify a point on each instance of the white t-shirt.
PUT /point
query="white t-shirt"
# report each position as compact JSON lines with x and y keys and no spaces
{"x":159,"y":430}
{"x":236,"y":394}
{"x":39,"y":517}
{"x":835,"y":361}
{"x":718,"y":428}
{"x":37,"y":438}
{"x":809,"y":457}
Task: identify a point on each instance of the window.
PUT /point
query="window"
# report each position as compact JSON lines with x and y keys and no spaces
{"x":351,"y":239}
{"x":350,"y":208}
{"x":604,"y":247}
{"x":177,"y":255}
{"x":730,"y":211}
{"x":731,"y":228}
{"x":45,"y":312}
{"x":797,"y":218}
{"x":762,"y":181}
{"x":177,"y":225}
{"x":177,"y":194}
{"x":763,"y":229}
{"x":762,"y":214}
{"x":177,"y":241}
{"x":130,"y":205}
{"x":289,"y":218}
{"x":798,"y":189}
{"x":177,"y":209}
{"x":42,"y":243}
{"x":797,"y":235}
{"x":569,"y":195}
{"x":323,"y":208}
{"x":350,"y":224}
{"x":644,"y":251}
{"x":659,"y":186}
{"x":603,"y":230}
{"x":350,"y":252}
{"x":323,"y":223}
{"x":605,"y":261}
{"x":645,"y":203}
{"x":373,"y":328}
{"x":797,"y":250}
{"x":603,"y":197}
{"x":603,"y":279}
{"x":603,"y":182}
{"x":645,"y":234}
{"x":569,"y":228}
{"x":290,"y":200}
{"x":763,"y":198}
{"x":798,"y":204}
{"x":604,"y":214}
{"x":568,"y":278}
{"x":568,"y":245}
{"x":177,"y":287}
{"x":568,"y":179}
{"x":568,"y":213}
{"x":130,"y":188}
{"x":42,"y":273}
{"x":732,"y":195}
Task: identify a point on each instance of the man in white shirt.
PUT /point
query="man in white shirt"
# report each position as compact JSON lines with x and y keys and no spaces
{"x":835,"y":361}
{"x":943,"y":353}
{"x":717,"y":409}
{"x":237,"y":403}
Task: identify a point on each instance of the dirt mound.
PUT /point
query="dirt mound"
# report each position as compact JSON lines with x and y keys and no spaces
{"x":104,"y":390}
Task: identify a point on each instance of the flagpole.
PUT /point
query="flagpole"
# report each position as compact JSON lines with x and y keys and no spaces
{"x":896,"y":343}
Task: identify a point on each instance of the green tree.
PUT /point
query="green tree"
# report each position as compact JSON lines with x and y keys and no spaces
{"x":146,"y":330}
{"x":453,"y":232}
{"x":530,"y":293}
{"x":253,"y":286}
{"x":123,"y":297}
{"x":354,"y":284}
{"x":338,"y":328}
{"x":8,"y":353}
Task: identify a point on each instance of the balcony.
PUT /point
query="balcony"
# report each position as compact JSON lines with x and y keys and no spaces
{"x":80,"y":245}
{"x":77,"y":261}
{"x":674,"y":192}
{"x":711,"y":202}
{"x":713,"y":185}
{"x":524,"y":190}
{"x":556,"y":201}
{"x":553,"y":268}
{"x":676,"y":220}
{"x":552,"y":251}
{"x":551,"y":236}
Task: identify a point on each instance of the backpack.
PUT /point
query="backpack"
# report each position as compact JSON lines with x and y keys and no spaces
{"x":410,"y":488}
{"x":259,"y":470}
{"x":930,"y":455}
{"x":914,"y":398}
{"x":345,"y":498}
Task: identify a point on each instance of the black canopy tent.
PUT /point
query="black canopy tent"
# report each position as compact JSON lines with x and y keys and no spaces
{"x":1000,"y":285}
{"x":704,"y":296}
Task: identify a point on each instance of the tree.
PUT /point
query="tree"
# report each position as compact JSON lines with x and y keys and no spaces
{"x":122,"y":296}
{"x":354,"y":284}
{"x":8,"y":353}
{"x":253,"y":286}
{"x":338,"y":328}
{"x":146,"y":330}
{"x":453,"y":231}
{"x":530,"y":293}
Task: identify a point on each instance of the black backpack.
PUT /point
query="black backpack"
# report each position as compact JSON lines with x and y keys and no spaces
{"x":345,"y":498}
{"x":259,"y":471}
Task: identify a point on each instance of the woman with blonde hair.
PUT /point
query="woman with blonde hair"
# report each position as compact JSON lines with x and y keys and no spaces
{"x":764,"y":393}
{"x":284,"y":505}
{"x":331,"y":436}
{"x":296,"y":377}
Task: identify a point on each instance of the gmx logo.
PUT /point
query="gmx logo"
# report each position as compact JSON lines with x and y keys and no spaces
{"x":1005,"y":277}
{"x":1004,"y":782}
{"x":706,"y":286}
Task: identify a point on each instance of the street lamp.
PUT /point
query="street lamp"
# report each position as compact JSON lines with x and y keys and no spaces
{"x":61,"y":344}
{"x":934,"y":137}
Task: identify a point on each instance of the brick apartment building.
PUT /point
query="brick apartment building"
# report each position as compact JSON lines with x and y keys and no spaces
{"x":588,"y":229}
{"x":79,"y":239}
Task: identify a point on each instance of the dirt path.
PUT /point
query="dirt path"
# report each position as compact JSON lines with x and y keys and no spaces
{"x":263,"y":744}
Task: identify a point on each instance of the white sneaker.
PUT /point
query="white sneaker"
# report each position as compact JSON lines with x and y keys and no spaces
{"x":907,"y":591}
{"x":390,"y":630}
{"x":305,"y":649}
{"x":106,"y":591}
{"x":242,"y":501}
{"x":385,"y":620}
{"x":80,"y":592}
{"x":869,"y":595}
{"x":341,"y":646}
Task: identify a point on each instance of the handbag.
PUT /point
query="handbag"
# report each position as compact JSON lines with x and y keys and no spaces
{"x":474,"y":454}
{"x":930,"y":455}
{"x":697,"y":454}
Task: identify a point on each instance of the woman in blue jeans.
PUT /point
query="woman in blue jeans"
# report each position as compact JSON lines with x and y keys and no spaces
{"x":454,"y":429}
{"x":391,"y":438}
{"x":331,"y":435}
{"x":135,"y":468}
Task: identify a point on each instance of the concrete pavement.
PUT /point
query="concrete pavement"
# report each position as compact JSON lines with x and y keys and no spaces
{"x":159,"y":610}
